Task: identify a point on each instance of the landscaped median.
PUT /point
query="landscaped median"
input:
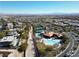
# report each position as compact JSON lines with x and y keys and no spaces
{"x":24,"y":38}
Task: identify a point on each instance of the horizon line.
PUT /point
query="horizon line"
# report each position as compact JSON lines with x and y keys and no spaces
{"x":36,"y":14}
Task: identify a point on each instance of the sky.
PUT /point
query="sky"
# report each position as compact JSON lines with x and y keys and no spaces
{"x":38,"y":7}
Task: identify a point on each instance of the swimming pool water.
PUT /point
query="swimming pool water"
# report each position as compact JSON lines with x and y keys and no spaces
{"x":51,"y":41}
{"x":38,"y":35}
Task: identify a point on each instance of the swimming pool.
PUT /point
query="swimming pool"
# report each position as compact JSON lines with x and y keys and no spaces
{"x":38,"y":35}
{"x":48,"y":41}
{"x":51,"y":41}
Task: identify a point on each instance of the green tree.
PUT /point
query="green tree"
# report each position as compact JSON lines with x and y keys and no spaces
{"x":2,"y":34}
{"x":22,"y":47}
{"x":42,"y":52}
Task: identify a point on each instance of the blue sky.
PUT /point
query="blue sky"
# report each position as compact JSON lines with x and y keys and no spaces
{"x":36,"y":7}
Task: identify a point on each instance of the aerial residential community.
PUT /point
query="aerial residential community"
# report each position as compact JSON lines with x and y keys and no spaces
{"x":38,"y":35}
{"x":21,"y":37}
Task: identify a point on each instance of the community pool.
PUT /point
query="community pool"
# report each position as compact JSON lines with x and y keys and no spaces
{"x":51,"y":41}
{"x":48,"y":41}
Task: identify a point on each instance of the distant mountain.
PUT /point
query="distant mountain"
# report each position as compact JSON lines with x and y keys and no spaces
{"x":55,"y":14}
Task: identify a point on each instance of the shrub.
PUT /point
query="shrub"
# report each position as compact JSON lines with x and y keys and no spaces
{"x":22,"y":47}
{"x":2,"y":34}
{"x":42,"y":52}
{"x":49,"y":48}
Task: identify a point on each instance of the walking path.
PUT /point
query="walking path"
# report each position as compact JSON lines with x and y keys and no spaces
{"x":29,"y":51}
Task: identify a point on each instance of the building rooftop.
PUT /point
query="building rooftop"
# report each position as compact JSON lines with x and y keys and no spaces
{"x":7,"y":38}
{"x":49,"y":34}
{"x":11,"y":39}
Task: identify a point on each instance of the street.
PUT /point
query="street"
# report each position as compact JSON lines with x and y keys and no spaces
{"x":69,"y":47}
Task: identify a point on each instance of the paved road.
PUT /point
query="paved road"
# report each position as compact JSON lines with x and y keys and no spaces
{"x":29,"y":51}
{"x":69,"y":47}
{"x":72,"y":39}
{"x":76,"y":54}
{"x":36,"y":49}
